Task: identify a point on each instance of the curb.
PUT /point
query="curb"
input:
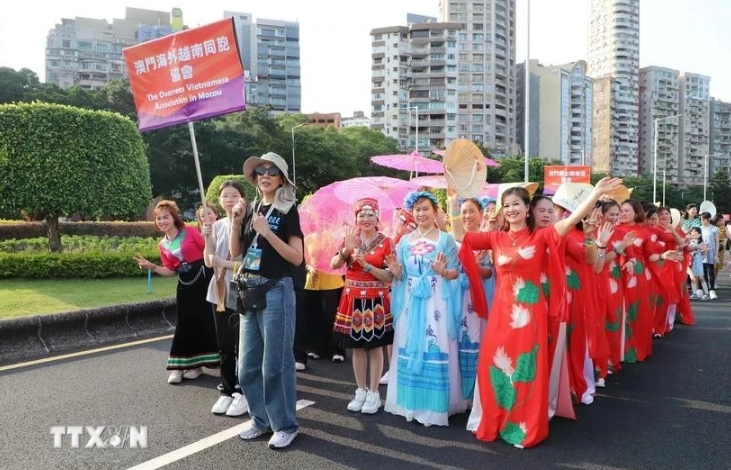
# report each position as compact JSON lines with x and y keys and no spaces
{"x":43,"y":335}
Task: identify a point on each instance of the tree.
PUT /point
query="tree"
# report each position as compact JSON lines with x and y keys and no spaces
{"x":14,"y":86}
{"x":59,"y":160}
{"x":721,"y":191}
{"x":512,"y":169}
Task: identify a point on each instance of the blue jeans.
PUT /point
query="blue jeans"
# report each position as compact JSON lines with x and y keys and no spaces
{"x":266,"y":369}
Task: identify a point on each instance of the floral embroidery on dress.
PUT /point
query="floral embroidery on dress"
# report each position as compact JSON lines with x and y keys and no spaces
{"x":527,"y":252}
{"x":520,"y":316}
{"x":422,"y":248}
{"x":503,"y":260}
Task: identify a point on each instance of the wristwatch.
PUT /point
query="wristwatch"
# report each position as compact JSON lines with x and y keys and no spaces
{"x":367,"y":268}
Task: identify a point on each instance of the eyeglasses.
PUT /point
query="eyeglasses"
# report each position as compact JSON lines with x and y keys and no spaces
{"x":261,"y":170}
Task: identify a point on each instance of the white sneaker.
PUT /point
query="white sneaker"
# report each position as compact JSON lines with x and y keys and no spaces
{"x":221,"y":405}
{"x":384,"y":379}
{"x":238,"y":406}
{"x":252,"y":432}
{"x":338,"y":358}
{"x":281,"y":439}
{"x":600,"y":383}
{"x":713,"y":295}
{"x":175,"y":377}
{"x":372,"y":403}
{"x":191,"y":374}
{"x":356,"y":404}
{"x":298,"y":366}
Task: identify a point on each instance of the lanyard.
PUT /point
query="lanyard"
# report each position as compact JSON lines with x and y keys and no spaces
{"x":254,"y":243}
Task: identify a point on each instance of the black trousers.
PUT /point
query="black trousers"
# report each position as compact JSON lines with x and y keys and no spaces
{"x":322,"y":306}
{"x":709,"y":274}
{"x":301,"y":340}
{"x":227,"y":337}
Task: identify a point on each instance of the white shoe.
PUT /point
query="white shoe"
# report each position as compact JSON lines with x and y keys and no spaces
{"x":298,"y":366}
{"x":192,"y":374}
{"x":338,"y":358}
{"x":384,"y":379}
{"x":600,"y":383}
{"x":175,"y":377}
{"x":356,"y":404}
{"x":221,"y":405}
{"x":281,"y":439}
{"x":372,"y":403}
{"x":713,"y":295}
{"x":252,"y":432}
{"x":238,"y":406}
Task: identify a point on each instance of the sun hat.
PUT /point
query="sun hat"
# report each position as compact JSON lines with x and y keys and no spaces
{"x":285,"y":196}
{"x":502,"y":187}
{"x":464,"y":167}
{"x":571,"y":195}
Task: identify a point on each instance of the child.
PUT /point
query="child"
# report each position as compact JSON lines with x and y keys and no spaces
{"x":696,"y":265}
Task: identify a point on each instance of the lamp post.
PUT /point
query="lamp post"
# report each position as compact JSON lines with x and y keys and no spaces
{"x":654,"y":156}
{"x":294,"y":161}
{"x":526,"y":87}
{"x":663,"y":188}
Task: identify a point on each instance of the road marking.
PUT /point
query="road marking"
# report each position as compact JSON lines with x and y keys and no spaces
{"x":203,"y":444}
{"x":84,"y":353}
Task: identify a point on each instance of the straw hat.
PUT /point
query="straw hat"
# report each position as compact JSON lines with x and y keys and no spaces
{"x":502,"y":187}
{"x":464,"y":168}
{"x":571,"y":195}
{"x":674,"y":217}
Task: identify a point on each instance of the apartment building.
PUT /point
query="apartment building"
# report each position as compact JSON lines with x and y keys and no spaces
{"x":720,"y":139}
{"x":486,"y":93}
{"x":694,"y":128}
{"x":270,"y":52}
{"x":414,"y":84}
{"x":88,"y":52}
{"x":614,"y":63}
{"x":560,"y":112}
{"x":324,"y":120}
{"x":358,"y":119}
{"x":659,"y":109}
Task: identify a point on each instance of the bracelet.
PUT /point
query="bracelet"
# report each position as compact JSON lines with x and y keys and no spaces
{"x":618,"y":252}
{"x":342,"y":255}
{"x":367,"y":268}
{"x":589,"y":242}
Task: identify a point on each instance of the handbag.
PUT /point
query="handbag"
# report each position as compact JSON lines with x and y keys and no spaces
{"x":255,"y":297}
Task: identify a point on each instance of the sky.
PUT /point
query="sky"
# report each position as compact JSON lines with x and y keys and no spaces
{"x":335,"y":42}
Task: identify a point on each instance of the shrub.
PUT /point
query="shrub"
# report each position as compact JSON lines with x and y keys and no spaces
{"x":23,"y":230}
{"x":82,"y":244}
{"x":71,"y":265}
{"x":214,"y":187}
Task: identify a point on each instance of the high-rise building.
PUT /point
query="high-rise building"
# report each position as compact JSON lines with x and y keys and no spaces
{"x":358,"y":119}
{"x":659,"y":109}
{"x":560,"y":112}
{"x":486,"y":94}
{"x":270,"y":52}
{"x":414,"y":84}
{"x":694,"y":127}
{"x":88,"y":52}
{"x":614,"y":63}
{"x":720,"y":146}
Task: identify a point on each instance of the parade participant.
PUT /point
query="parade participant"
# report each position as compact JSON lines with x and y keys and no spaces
{"x":181,"y":251}
{"x":268,"y":236}
{"x":424,"y":372}
{"x":712,"y":239}
{"x":363,"y":321}
{"x":223,"y":299}
{"x":513,"y":397}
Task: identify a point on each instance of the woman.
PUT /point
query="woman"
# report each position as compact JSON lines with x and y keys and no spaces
{"x":712,"y":239}
{"x":181,"y":252}
{"x":205,"y":215}
{"x":469,"y":211}
{"x":223,"y":299}
{"x":424,"y":380}
{"x":680,"y":302}
{"x":363,"y":321}
{"x":720,"y":222}
{"x":269,"y":237}
{"x":690,"y":218}
{"x":513,"y":369}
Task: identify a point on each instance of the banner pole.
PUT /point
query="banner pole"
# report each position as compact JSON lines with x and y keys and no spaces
{"x":197,"y":166}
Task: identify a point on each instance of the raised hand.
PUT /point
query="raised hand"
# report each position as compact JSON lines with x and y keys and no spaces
{"x":629,"y":239}
{"x":605,"y":233}
{"x":260,"y":224}
{"x":591,"y":224}
{"x":238,"y":211}
{"x":350,"y":234}
{"x":607,"y":185}
{"x":142,"y":262}
{"x":440,"y":263}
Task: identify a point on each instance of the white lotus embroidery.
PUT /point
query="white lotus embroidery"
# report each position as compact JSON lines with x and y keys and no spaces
{"x":648,"y":275}
{"x":613,"y":286}
{"x":637,"y":242}
{"x":544,"y":278}
{"x":632,"y":282}
{"x":519,"y":284}
{"x":569,"y":297}
{"x":503,"y":260}
{"x":653,"y":237}
{"x":503,"y":361}
{"x":523,"y":427}
{"x":520,"y":316}
{"x":527,"y":252}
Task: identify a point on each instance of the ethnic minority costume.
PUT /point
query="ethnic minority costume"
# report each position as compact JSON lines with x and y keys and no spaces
{"x":194,"y":343}
{"x":424,"y":377}
{"x":511,"y":399}
{"x":363,"y":319}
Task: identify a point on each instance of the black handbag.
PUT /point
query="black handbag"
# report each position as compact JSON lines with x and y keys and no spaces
{"x":255,"y":297}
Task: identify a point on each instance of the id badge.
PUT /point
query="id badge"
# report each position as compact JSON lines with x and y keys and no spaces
{"x":252,"y":261}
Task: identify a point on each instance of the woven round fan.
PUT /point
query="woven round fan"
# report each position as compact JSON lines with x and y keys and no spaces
{"x":464,"y":167}
{"x":707,"y":206}
{"x":674,"y":217}
{"x":621,"y":194}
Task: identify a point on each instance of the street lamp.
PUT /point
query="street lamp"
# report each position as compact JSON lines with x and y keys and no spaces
{"x":654,"y":157}
{"x":294,"y":161}
{"x":526,"y":88}
{"x":663,"y":188}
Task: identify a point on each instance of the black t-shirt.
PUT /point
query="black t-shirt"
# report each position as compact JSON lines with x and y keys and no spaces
{"x":273,"y":266}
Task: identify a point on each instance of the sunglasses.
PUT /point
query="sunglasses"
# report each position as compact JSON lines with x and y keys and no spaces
{"x":262,"y":170}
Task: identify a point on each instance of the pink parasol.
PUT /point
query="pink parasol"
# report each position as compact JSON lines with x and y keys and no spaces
{"x":414,"y":162}
{"x":439,"y":181}
{"x":326,"y":214}
{"x":488,"y":162}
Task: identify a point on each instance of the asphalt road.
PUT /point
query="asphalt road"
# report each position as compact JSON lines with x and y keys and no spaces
{"x":670,"y":412}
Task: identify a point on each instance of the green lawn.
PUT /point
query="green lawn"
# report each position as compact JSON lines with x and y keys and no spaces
{"x":24,"y":297}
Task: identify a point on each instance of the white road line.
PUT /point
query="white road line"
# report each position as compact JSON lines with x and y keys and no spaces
{"x":84,"y":353}
{"x":203,"y":444}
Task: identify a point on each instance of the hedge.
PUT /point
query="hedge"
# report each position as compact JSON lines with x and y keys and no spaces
{"x":71,"y":265}
{"x":23,"y":230}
